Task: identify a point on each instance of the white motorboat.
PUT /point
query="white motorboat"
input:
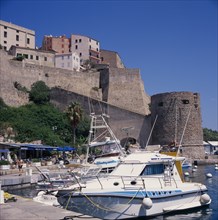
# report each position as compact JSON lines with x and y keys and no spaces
{"x":143,"y":184}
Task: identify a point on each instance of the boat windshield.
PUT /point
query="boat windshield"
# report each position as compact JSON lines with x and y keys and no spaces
{"x":153,"y":169}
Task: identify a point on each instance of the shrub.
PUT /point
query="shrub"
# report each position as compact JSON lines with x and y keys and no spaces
{"x":4,"y":162}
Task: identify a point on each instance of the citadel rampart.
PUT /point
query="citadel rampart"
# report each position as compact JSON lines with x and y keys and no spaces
{"x":119,"y":118}
{"x":178,"y":119}
{"x":109,"y":85}
{"x":120,"y":93}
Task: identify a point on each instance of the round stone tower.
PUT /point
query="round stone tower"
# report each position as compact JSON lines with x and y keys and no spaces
{"x":178,"y":119}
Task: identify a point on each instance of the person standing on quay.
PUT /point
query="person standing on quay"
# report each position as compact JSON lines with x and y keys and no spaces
{"x":20,"y":165}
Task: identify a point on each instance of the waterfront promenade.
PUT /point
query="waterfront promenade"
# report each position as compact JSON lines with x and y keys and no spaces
{"x":26,"y":208}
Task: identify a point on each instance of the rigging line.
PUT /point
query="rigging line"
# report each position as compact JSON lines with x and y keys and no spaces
{"x":183,"y":132}
{"x":89,"y":105}
{"x":151,"y":130}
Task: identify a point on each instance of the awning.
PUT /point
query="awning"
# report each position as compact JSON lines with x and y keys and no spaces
{"x":65,"y":148}
{"x":37,"y":147}
{"x":4,"y":150}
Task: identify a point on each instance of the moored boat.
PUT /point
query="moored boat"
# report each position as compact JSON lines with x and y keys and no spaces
{"x":143,"y":184}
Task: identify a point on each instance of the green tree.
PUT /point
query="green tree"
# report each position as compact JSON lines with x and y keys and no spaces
{"x":210,"y":135}
{"x":74,"y":113}
{"x":39,"y":93}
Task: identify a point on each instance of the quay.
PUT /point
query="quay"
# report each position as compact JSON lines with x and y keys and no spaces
{"x":27,"y":208}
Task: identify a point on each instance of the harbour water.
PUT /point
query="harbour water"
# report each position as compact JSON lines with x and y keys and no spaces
{"x":208,"y":213}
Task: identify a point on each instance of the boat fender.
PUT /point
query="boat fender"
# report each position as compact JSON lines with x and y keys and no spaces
{"x":186,"y":173}
{"x":209,"y":175}
{"x":147,"y":202}
{"x":205,"y":199}
{"x":40,"y":193}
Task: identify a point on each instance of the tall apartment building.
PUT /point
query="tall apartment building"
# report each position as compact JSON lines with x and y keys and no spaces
{"x":111,"y":58}
{"x":86,"y":47}
{"x":14,"y":35}
{"x":59,"y":44}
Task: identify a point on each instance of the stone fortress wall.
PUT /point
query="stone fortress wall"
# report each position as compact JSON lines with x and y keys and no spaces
{"x":178,"y":119}
{"x":87,"y":83}
{"x":122,"y":93}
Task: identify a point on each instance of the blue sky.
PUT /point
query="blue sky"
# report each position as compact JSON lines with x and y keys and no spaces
{"x":173,"y":43}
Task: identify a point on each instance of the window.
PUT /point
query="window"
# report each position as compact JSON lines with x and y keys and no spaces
{"x":17,"y":31}
{"x":28,"y":41}
{"x":45,"y":58}
{"x":62,"y":57}
{"x":96,"y":43}
{"x":80,"y":40}
{"x":102,"y":58}
{"x":17,"y":37}
{"x":5,"y":34}
{"x":5,"y":48}
{"x":90,"y":47}
{"x":19,"y":54}
{"x":17,"y":45}
{"x":76,"y":41}
{"x":37,"y":57}
{"x":5,"y":42}
{"x":80,"y":54}
{"x":26,"y":56}
{"x":31,"y":57}
{"x":5,"y":27}
{"x":62,"y":46}
{"x":153,"y":169}
{"x":185,"y":101}
{"x":160,"y":104}
{"x":76,"y":47}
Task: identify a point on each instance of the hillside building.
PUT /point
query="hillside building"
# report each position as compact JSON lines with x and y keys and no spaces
{"x":33,"y":56}
{"x":111,"y":58}
{"x":59,"y":44}
{"x":86,"y":47}
{"x":14,"y":35}
{"x":70,"y":61}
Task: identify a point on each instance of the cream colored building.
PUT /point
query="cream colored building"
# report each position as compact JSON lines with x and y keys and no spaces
{"x":70,"y":61}
{"x":14,"y":35}
{"x":34,"y":56}
{"x":86,"y":47}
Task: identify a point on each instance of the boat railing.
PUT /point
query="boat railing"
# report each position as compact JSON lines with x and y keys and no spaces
{"x":133,"y":182}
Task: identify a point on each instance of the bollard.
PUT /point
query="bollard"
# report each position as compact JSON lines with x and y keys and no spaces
{"x":29,"y":172}
{"x":1,"y":194}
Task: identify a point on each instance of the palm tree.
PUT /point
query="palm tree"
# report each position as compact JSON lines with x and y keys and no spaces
{"x":74,"y":113}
